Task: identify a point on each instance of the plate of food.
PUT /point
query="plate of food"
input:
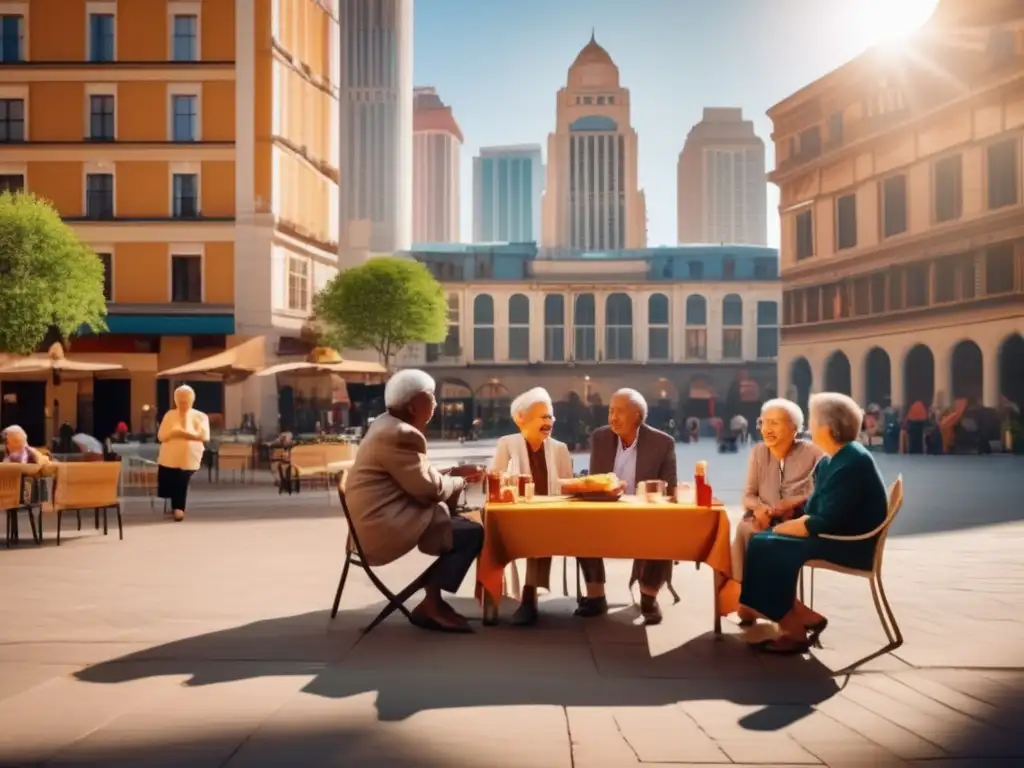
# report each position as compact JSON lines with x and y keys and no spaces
{"x":606,"y":487}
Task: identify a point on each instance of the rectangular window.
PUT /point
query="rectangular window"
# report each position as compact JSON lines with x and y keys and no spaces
{"x":949,"y":188}
{"x":895,"y":290}
{"x":728,"y":268}
{"x":12,"y":182}
{"x":767,"y":343}
{"x":184,"y":43}
{"x":968,"y":278}
{"x":187,"y":279}
{"x":101,"y":37}
{"x":732,"y":343}
{"x":618,"y":341}
{"x":483,"y":343}
{"x":846,"y":222}
{"x":101,"y":117}
{"x":184,"y":111}
{"x":657,"y":343}
{"x":804,"y":235}
{"x":99,"y":196}
{"x":945,"y":279}
{"x":1003,"y":174}
{"x":999,"y":269}
{"x":186,"y":196}
{"x":878,"y":293}
{"x":585,"y":343}
{"x":696,"y":270}
{"x":862,"y":296}
{"x":894,"y":206}
{"x":697,"y":343}
{"x":108,"y":275}
{"x":519,"y":342}
{"x":917,"y":286}
{"x":298,"y":284}
{"x":835,"y":128}
{"x":11,"y":26}
{"x":12,"y":120}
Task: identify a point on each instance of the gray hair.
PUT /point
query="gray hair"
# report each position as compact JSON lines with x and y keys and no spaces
{"x":796,"y":415}
{"x":405,"y":385}
{"x":635,"y":398}
{"x":14,"y":429}
{"x":528,"y":399}
{"x":839,"y":413}
{"x":184,"y":389}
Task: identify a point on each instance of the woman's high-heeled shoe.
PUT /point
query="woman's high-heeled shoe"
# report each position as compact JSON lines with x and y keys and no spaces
{"x":814,"y":632}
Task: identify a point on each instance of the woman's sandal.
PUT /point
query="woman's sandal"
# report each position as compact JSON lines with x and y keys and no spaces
{"x":814,"y":632}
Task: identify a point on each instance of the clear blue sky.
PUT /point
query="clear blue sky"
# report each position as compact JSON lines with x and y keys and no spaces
{"x":499,"y":64}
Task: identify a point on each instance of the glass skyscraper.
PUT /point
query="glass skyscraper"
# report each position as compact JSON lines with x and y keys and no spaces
{"x":507,"y":186}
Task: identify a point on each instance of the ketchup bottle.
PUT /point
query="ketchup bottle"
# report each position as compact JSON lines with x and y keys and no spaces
{"x":700,"y":480}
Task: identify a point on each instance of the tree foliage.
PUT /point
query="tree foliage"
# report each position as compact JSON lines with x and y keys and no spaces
{"x":384,"y":304}
{"x":49,"y":279}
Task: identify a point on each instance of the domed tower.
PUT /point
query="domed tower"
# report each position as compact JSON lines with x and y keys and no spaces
{"x":592,"y":201}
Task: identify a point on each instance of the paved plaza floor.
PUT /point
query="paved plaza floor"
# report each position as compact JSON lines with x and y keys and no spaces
{"x":208,"y":643}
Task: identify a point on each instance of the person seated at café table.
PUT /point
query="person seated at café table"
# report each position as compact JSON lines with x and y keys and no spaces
{"x":534,"y":452}
{"x":398,"y":501}
{"x":635,"y":452}
{"x":17,"y":450}
{"x":779,"y":478}
{"x":849,"y":499}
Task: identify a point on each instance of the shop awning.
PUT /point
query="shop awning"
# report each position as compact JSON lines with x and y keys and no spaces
{"x":235,"y":364}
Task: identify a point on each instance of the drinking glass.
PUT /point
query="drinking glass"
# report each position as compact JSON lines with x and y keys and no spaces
{"x":528,"y":491}
{"x":651,"y":491}
{"x":686,"y":494}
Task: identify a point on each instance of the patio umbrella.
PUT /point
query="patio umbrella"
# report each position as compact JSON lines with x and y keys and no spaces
{"x":325,"y":360}
{"x":230,"y":366}
{"x":53,"y":365}
{"x":87,"y":443}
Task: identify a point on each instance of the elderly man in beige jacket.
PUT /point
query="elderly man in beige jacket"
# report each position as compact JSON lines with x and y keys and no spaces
{"x":399,"y":502}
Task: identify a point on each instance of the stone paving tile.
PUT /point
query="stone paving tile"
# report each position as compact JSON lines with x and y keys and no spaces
{"x":667,"y":735}
{"x":875,"y":728}
{"x":767,"y":751}
{"x":596,"y":739}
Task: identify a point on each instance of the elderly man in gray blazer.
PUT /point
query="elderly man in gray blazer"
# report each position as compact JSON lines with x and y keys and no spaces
{"x":634,"y":452}
{"x":399,"y":502}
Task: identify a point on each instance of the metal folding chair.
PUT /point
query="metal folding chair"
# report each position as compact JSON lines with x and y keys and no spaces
{"x":354,"y":556}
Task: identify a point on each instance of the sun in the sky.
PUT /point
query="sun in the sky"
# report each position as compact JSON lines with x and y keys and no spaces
{"x":889,"y":22}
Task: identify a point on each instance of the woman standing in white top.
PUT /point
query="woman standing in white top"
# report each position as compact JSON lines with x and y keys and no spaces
{"x":182,"y":433}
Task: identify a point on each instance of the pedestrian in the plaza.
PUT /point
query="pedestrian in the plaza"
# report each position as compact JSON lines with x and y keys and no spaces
{"x":849,"y":499}
{"x":183,"y":434}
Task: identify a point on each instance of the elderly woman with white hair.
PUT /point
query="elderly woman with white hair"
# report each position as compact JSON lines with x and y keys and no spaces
{"x":849,"y":499}
{"x":779,"y":478}
{"x":534,"y":452}
{"x":17,"y":450}
{"x":183,"y":433}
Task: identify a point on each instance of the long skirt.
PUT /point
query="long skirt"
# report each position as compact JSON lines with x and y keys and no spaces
{"x":172,"y":483}
{"x":773,"y":565}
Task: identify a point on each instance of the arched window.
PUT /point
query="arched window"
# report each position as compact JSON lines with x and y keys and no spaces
{"x":483,"y":327}
{"x":584,"y":321}
{"x":554,"y":327}
{"x":658,"y":345}
{"x":696,"y":327}
{"x":618,"y":324}
{"x":767,"y":330}
{"x":518,"y":327}
{"x":732,"y":327}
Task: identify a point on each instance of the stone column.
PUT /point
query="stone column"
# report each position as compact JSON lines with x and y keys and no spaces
{"x":990,"y":375}
{"x":943,"y":394}
{"x":896,"y":391}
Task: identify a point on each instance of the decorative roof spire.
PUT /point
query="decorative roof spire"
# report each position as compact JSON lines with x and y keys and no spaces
{"x":592,"y":39}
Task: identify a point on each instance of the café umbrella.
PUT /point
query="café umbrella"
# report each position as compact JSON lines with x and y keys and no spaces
{"x":53,"y":365}
{"x":325,"y":360}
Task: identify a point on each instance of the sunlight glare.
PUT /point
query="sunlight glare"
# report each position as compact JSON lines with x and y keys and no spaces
{"x":890,"y":22}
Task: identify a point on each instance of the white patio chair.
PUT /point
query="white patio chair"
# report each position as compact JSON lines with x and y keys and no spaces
{"x":874,"y":576}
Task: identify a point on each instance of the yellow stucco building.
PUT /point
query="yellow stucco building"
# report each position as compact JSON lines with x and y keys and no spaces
{"x":902,"y":208}
{"x":193,"y":145}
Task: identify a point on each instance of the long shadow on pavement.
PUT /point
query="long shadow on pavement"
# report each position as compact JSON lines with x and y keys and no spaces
{"x":563,"y":662}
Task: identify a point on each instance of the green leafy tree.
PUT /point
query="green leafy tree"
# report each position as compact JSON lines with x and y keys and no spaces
{"x":384,"y":304}
{"x":49,"y":279}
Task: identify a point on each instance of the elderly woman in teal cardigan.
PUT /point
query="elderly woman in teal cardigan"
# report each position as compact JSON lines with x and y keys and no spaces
{"x":849,"y":499}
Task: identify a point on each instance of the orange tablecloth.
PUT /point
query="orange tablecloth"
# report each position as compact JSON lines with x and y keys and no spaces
{"x":625,"y":529}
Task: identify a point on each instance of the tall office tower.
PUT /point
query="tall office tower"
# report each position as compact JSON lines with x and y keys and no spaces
{"x":508,"y":184}
{"x":592,"y":201}
{"x":436,"y":164}
{"x":721,"y":182}
{"x":376,"y":123}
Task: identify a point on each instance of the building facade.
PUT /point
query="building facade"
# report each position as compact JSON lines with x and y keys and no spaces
{"x":693,"y":328}
{"x":721,"y":184}
{"x":436,"y":165}
{"x":902,"y":208}
{"x":592,"y":200}
{"x":508,"y":185}
{"x":376,"y":125}
{"x":190,"y":145}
